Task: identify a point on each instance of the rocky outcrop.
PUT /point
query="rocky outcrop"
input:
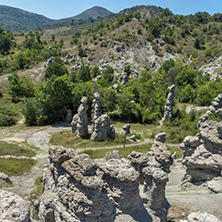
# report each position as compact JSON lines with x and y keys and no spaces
{"x":168,"y":109}
{"x":102,"y":128}
{"x":214,"y":108}
{"x":13,"y":208}
{"x":213,"y":68}
{"x":202,"y":153}
{"x":77,"y":188}
{"x":201,"y":217}
{"x":82,"y":122}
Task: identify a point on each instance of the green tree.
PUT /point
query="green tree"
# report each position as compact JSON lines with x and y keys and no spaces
{"x":199,"y":42}
{"x":18,"y":88}
{"x":56,"y":68}
{"x":6,"y":41}
{"x":84,"y":73}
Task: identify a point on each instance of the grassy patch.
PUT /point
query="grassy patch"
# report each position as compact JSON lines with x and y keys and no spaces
{"x":15,"y":149}
{"x":100,"y":153}
{"x":37,"y":191}
{"x":68,"y":139}
{"x":177,"y":150}
{"x":14,"y":167}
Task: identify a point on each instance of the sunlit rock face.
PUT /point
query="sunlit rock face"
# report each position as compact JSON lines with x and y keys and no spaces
{"x":78,"y":188}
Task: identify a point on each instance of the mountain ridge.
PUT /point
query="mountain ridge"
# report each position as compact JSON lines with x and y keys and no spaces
{"x":15,"y":19}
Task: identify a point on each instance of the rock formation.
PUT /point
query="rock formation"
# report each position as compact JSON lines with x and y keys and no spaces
{"x":202,"y":155}
{"x":13,"y":208}
{"x":74,"y":122}
{"x":69,"y":116}
{"x":102,"y":128}
{"x":96,"y":108}
{"x":160,"y":137}
{"x":168,"y":109}
{"x":77,"y":188}
{"x":215,"y":106}
{"x":201,"y":217}
{"x":82,"y":122}
{"x":125,"y":130}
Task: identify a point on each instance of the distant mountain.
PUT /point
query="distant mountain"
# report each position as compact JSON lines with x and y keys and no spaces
{"x":14,"y":19}
{"x":93,"y":12}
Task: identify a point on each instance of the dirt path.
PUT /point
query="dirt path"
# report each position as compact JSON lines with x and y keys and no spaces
{"x":194,"y":198}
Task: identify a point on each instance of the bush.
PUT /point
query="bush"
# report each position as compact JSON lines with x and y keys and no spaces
{"x":8,"y":116}
{"x":56,"y":68}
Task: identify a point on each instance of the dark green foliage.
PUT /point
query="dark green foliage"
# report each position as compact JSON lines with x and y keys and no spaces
{"x":127,"y":70}
{"x":8,"y":116}
{"x":84,"y":73}
{"x":6,"y":41}
{"x":20,"y":87}
{"x":199,"y":42}
{"x":205,"y":95}
{"x":108,"y":73}
{"x":56,"y":68}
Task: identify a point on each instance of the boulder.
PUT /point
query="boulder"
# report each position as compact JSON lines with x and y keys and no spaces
{"x":202,"y":217}
{"x":5,"y":178}
{"x":160,"y":137}
{"x":13,"y":207}
{"x":215,"y":185}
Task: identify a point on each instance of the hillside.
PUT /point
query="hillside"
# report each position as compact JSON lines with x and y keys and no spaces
{"x":14,"y":19}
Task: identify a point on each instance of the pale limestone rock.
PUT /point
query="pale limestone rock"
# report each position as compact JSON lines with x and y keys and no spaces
{"x":13,"y":208}
{"x":125,"y":129}
{"x":202,"y":154}
{"x":82,"y":123}
{"x":168,"y":109}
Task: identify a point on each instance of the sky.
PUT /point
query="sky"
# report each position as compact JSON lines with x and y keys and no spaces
{"x":57,"y":9}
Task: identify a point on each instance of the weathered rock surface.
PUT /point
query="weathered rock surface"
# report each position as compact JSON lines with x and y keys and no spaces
{"x":160,"y":137}
{"x":82,"y":122}
{"x":202,"y":153}
{"x":102,"y":129}
{"x":4,"y":178}
{"x":69,"y":116}
{"x":215,"y":185}
{"x":77,"y":188}
{"x":215,"y":107}
{"x":125,"y":129}
{"x":13,"y":208}
{"x":201,"y":217}
{"x":74,"y":122}
{"x":168,"y":109}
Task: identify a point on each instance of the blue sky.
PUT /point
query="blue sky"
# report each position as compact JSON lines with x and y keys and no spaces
{"x":57,"y":9}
